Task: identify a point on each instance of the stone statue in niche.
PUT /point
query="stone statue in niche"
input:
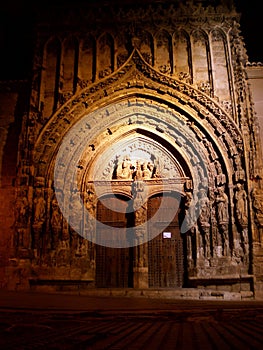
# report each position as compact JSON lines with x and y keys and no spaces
{"x":239,"y":175}
{"x":201,"y":175}
{"x":241,"y":205}
{"x":221,"y":202}
{"x":189,"y":218}
{"x":39,"y":215}
{"x":257,"y":203}
{"x":215,"y":236}
{"x":22,"y":210}
{"x":63,"y":254}
{"x":204,"y":220}
{"x":220,"y":178}
{"x":21,"y":217}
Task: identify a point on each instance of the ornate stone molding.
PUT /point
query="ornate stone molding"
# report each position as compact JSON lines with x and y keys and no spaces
{"x":136,"y":73}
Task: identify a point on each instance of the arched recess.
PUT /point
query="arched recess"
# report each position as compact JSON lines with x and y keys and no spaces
{"x":87,"y":61}
{"x":147,"y":47}
{"x":201,"y":61}
{"x":105,"y":55}
{"x":194,"y":125}
{"x":51,"y":72}
{"x":182,"y":56}
{"x":69,"y":67}
{"x":163,"y":52}
{"x":221,"y":74}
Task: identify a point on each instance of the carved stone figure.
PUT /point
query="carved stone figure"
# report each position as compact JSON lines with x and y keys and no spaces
{"x":239,"y":175}
{"x":124,"y":170}
{"x":202,"y":177}
{"x":223,"y":228}
{"x":39,"y":215}
{"x":91,"y":200}
{"x":190,"y":222}
{"x":91,"y":204}
{"x":241,"y":205}
{"x":146,"y":173}
{"x":221,"y":201}
{"x":215,"y":235}
{"x":39,"y":206}
{"x":76,"y":211}
{"x":257,"y":203}
{"x":204,"y":209}
{"x":75,"y":219}
{"x":139,"y":204}
{"x":204,"y":220}
{"x":55,"y":222}
{"x":22,"y":210}
{"x":220,"y":178}
{"x":138,"y":171}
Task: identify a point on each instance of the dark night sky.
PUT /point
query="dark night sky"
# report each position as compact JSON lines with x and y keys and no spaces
{"x":15,"y":24}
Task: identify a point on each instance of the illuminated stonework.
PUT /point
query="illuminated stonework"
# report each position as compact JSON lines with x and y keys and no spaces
{"x":130,"y":114}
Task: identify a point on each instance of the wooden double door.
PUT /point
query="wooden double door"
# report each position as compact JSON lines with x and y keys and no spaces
{"x":114,"y":266}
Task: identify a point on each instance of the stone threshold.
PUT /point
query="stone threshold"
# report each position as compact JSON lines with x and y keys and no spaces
{"x":177,"y":294}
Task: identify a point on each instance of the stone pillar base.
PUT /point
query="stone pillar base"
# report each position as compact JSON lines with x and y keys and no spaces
{"x":140,"y":277}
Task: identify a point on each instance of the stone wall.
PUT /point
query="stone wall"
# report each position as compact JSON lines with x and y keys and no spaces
{"x":255,"y":78}
{"x":12,"y":104}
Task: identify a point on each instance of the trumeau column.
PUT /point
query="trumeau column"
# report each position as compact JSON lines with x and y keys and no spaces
{"x":140,"y":269}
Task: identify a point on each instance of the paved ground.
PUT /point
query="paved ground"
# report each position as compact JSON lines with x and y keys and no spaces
{"x":52,"y":321}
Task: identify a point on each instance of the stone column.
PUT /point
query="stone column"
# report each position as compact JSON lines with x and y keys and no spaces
{"x":140,"y":269}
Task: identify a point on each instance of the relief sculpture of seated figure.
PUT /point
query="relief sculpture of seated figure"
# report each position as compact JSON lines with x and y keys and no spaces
{"x":124,"y":170}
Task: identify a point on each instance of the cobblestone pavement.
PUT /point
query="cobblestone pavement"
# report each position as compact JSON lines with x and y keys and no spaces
{"x":44,"y":321}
